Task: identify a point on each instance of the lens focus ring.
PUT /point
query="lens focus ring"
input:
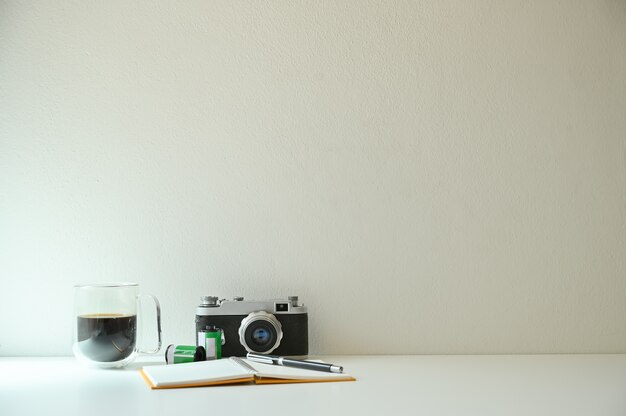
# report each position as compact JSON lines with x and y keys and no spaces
{"x":260,"y":332}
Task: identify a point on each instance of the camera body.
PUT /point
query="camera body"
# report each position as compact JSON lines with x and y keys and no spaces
{"x":278,"y":326}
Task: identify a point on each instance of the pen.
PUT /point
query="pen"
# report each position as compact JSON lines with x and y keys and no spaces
{"x":288,"y":362}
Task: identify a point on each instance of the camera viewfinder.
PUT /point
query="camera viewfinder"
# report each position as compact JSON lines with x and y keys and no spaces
{"x":282,"y":307}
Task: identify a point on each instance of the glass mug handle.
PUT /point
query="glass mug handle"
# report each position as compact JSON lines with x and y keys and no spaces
{"x":158,"y":317}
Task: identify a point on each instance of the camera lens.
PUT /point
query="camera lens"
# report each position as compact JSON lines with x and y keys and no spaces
{"x":261,"y":336}
{"x":260,"y":332}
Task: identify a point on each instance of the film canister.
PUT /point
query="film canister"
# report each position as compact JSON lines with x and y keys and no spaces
{"x":178,"y":354}
{"x":211,"y":339}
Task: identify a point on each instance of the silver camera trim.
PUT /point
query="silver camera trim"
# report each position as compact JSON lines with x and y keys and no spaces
{"x":244,"y":307}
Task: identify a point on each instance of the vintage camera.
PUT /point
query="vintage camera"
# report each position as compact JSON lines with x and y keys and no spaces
{"x":266,"y":327}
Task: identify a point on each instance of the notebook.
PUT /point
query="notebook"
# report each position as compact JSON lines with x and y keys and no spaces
{"x":231,"y":371}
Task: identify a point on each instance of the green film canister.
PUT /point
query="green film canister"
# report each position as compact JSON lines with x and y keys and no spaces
{"x":178,"y":354}
{"x":213,"y":342}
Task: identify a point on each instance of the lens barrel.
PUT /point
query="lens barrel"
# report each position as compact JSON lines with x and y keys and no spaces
{"x":260,"y":332}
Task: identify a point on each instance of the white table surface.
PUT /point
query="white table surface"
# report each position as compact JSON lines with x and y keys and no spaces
{"x":404,"y":385}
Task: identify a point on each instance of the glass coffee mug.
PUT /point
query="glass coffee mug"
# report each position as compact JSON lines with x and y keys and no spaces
{"x":105,"y":325}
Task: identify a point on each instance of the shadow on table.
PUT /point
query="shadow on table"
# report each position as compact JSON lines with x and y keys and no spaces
{"x":139,"y":364}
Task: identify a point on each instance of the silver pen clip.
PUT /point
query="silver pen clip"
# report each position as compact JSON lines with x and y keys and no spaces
{"x":259,"y":359}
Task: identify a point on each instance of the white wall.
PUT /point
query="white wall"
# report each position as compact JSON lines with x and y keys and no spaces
{"x":429,"y":177}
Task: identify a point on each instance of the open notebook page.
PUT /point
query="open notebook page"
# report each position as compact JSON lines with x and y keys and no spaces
{"x":197,"y":374}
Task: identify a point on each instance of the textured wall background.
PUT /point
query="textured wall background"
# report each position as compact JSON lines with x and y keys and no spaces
{"x":450,"y":173}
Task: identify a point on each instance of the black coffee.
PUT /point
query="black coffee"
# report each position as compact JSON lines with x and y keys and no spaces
{"x":107,"y":337}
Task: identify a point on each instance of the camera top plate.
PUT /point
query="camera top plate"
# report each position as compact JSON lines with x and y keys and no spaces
{"x":238,"y":306}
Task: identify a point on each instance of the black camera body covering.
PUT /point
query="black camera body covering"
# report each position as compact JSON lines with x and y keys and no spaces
{"x":279,"y":326}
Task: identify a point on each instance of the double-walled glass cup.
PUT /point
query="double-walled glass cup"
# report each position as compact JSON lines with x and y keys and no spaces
{"x":106,"y":324}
